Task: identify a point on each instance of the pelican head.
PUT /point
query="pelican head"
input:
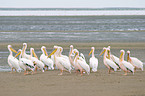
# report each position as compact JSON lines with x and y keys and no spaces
{"x":43,"y":49}
{"x":122,"y":54}
{"x":71,"y":46}
{"x":92,"y":50}
{"x":54,"y":51}
{"x":33,"y":52}
{"x":128,"y":55}
{"x":103,"y":51}
{"x":11,"y":49}
{"x":19,"y":52}
{"x":109,"y":47}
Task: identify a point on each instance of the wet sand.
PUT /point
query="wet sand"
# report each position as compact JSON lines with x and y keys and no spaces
{"x":50,"y":84}
{"x":101,"y":83}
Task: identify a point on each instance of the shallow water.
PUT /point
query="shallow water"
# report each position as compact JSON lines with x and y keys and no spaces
{"x":84,"y":29}
{"x":46,"y":37}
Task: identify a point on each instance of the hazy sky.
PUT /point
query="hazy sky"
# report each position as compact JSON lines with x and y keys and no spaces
{"x":71,"y":3}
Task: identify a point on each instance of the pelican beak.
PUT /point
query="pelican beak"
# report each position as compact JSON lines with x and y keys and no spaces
{"x":90,"y":52}
{"x":128,"y":57}
{"x":102,"y":52}
{"x":13,"y":50}
{"x":52,"y":53}
{"x":34,"y":54}
{"x":18,"y":54}
{"x":121,"y":55}
{"x":45,"y":52}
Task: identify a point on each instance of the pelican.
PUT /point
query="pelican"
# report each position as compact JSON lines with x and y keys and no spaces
{"x":107,"y":62}
{"x":35,"y":60}
{"x":134,"y":61}
{"x":44,"y":58}
{"x":25,"y":64}
{"x":24,"y":55}
{"x":61,"y":61}
{"x":124,"y":65}
{"x":80,"y":63}
{"x":70,"y":55}
{"x":93,"y":60}
{"x":12,"y":61}
{"x":114,"y":58}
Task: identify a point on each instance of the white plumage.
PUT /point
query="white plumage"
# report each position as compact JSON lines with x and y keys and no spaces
{"x":25,"y":64}
{"x":93,"y":62}
{"x":12,"y":61}
{"x":134,"y":61}
{"x":62,"y":62}
{"x":107,"y":62}
{"x":44,"y":58}
{"x":80,"y":63}
{"x":124,"y":65}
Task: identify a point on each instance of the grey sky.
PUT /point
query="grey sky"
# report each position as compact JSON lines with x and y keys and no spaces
{"x":71,"y":3}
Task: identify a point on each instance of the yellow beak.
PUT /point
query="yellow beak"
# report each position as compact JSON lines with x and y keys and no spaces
{"x":13,"y":50}
{"x":45,"y":52}
{"x":18,"y":54}
{"x":90,"y":52}
{"x":102,"y":52}
{"x":34,"y":54}
{"x":121,"y":55}
{"x":52,"y":53}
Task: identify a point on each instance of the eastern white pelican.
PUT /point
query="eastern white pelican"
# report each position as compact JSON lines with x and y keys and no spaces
{"x":134,"y":61}
{"x":44,"y":58}
{"x":93,"y":61}
{"x":61,"y":61}
{"x":35,"y":60}
{"x":107,"y":62}
{"x":25,"y":64}
{"x":12,"y":61}
{"x":71,"y":59}
{"x":114,"y":58}
{"x":124,"y":65}
{"x":80,"y":64}
{"x":24,"y":55}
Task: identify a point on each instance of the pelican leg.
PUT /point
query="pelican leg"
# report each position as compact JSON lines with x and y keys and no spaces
{"x":61,"y":72}
{"x":125,"y":73}
{"x":47,"y":68}
{"x":25,"y":72}
{"x":11,"y":71}
{"x":135,"y":69}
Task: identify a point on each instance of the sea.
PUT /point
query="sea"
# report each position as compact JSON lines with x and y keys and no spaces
{"x":44,"y":25}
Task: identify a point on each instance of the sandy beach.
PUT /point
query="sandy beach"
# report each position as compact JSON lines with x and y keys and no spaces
{"x":50,"y":84}
{"x":101,"y":83}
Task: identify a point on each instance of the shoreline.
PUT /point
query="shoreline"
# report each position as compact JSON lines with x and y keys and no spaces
{"x":84,"y":45}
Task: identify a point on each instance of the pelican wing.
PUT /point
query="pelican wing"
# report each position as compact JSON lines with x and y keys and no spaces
{"x":137,"y":62}
{"x":128,"y":65}
{"x":112,"y":64}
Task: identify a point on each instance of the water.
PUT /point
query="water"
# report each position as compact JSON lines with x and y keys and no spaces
{"x":45,"y":29}
{"x":46,"y":37}
{"x":72,"y":23}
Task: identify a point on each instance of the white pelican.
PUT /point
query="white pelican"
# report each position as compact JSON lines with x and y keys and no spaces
{"x":93,"y":60}
{"x":44,"y":58}
{"x":70,"y":56}
{"x":134,"y":61}
{"x":35,"y":60}
{"x":114,"y":58}
{"x":12,"y":61}
{"x":24,"y":55}
{"x":107,"y":62}
{"x":80,"y":63}
{"x":25,"y":64}
{"x":61,"y":61}
{"x":124,"y":65}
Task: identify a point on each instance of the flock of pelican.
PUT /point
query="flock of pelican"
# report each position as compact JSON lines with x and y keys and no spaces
{"x":75,"y":61}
